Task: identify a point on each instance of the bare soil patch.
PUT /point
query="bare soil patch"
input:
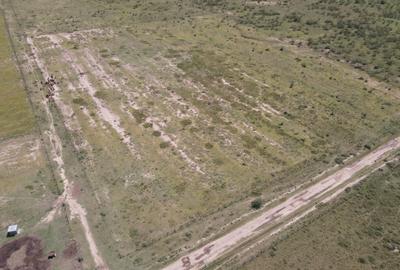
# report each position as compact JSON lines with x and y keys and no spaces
{"x":71,"y":250}
{"x":30,"y":258}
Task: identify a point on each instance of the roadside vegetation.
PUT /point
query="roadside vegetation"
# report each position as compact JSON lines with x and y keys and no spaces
{"x":357,"y":231}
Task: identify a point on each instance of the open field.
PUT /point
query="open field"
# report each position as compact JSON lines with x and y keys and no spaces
{"x":359,"y":231}
{"x":363,"y":33}
{"x":15,"y":115}
{"x":163,"y":120}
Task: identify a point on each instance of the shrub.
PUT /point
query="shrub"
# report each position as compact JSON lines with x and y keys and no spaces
{"x":164,"y":145}
{"x":133,"y":233}
{"x":100,"y":94}
{"x":147,"y":125}
{"x":139,"y":115}
{"x":339,"y":160}
{"x":209,"y":145}
{"x":80,"y":101}
{"x":362,"y":260}
{"x":256,"y":204}
{"x":186,"y":122}
{"x":156,"y":133}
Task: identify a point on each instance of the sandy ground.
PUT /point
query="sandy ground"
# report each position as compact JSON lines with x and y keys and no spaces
{"x":215,"y":249}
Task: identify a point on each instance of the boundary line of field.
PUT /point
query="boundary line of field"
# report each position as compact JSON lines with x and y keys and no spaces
{"x":31,"y":104}
{"x":66,"y":134}
{"x":25,"y":86}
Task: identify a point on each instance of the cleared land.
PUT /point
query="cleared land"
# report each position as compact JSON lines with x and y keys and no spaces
{"x":359,"y":231}
{"x":162,"y":128}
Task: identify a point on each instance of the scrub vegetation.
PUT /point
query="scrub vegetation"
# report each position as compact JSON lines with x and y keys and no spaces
{"x":358,"y":231}
{"x":365,"y":33}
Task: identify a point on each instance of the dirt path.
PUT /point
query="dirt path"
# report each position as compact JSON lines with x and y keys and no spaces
{"x":321,"y":190}
{"x":77,"y":210}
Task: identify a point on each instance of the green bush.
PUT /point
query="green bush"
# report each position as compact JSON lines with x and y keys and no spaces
{"x":256,"y":204}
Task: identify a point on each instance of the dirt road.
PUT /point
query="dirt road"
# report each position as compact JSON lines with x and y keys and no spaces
{"x":215,"y":249}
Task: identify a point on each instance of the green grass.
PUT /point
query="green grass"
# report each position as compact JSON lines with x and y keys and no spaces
{"x":358,"y":231}
{"x":16,"y":116}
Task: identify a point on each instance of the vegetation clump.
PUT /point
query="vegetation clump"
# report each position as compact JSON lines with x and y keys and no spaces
{"x":80,"y":101}
{"x":209,"y":145}
{"x":156,"y":133}
{"x":186,"y":122}
{"x":164,"y":145}
{"x":256,"y":204}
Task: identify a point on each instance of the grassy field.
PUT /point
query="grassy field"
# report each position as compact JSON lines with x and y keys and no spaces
{"x":364,"y":33}
{"x":15,"y":119}
{"x":28,"y":185}
{"x":15,"y":114}
{"x":358,"y":231}
{"x":173,"y":118}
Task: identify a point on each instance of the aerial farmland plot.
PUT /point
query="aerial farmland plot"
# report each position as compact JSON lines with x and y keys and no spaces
{"x":28,"y":186}
{"x":146,"y":129}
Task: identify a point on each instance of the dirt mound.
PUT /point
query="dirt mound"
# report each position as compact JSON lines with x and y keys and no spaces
{"x":25,"y":253}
